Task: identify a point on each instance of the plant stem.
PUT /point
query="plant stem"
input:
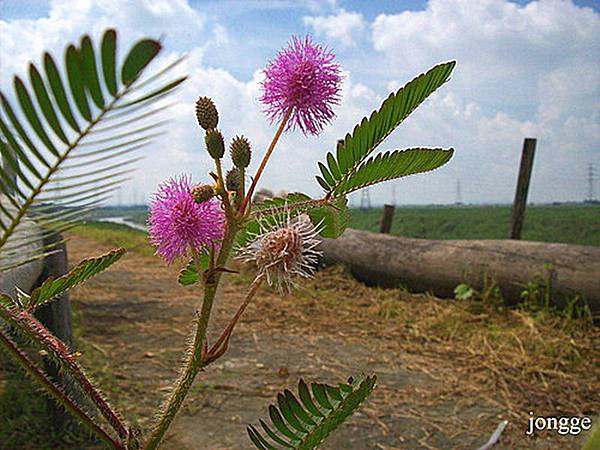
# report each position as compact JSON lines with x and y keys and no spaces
{"x":263,"y":163}
{"x":34,"y":330}
{"x":224,"y":338}
{"x":194,"y":362}
{"x":242,"y":192}
{"x":56,"y":391}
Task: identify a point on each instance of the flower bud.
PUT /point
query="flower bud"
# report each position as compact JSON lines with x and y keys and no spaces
{"x":206,"y":113}
{"x":232,"y":180}
{"x":240,"y":152}
{"x":215,"y":144}
{"x":202,"y":193}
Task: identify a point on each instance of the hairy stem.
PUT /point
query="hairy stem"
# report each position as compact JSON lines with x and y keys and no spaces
{"x":195,"y":361}
{"x":305,"y":204}
{"x":55,"y":391}
{"x":224,"y":338}
{"x":242,"y":191}
{"x":34,"y":330}
{"x":265,"y":159}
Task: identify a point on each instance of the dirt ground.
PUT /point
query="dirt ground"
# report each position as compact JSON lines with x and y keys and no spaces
{"x":431,"y":394}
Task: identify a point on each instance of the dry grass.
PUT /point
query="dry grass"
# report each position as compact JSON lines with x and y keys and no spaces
{"x":543,"y":359}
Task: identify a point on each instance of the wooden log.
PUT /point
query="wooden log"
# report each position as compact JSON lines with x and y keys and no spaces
{"x":439,"y":266}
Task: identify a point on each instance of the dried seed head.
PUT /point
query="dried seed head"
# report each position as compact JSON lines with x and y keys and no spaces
{"x":206,"y":113}
{"x":215,"y":144}
{"x":284,"y":251}
{"x":240,"y":152}
{"x":203,"y":192}
{"x":232,"y":180}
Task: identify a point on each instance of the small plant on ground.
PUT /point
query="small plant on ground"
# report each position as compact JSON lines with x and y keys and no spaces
{"x":72,"y":148}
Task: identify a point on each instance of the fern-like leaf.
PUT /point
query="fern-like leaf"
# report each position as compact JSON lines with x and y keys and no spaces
{"x":302,"y":424}
{"x":391,"y":165}
{"x":367,"y":135}
{"x":52,"y":288}
{"x":72,"y":138}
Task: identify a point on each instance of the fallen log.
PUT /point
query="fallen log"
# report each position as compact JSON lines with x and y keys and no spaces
{"x":439,"y":266}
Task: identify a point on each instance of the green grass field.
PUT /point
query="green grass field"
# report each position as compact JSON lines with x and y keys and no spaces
{"x":572,"y":224}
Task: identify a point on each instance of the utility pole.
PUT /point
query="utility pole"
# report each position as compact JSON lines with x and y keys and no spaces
{"x":458,"y":193}
{"x":591,"y":198}
{"x":365,"y":199}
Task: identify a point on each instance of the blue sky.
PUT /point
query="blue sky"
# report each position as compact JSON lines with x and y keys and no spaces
{"x":525,"y":69}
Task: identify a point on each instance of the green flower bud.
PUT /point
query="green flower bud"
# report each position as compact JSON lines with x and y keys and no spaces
{"x":232,"y":180}
{"x":203,"y":192}
{"x":240,"y":152}
{"x":206,"y":113}
{"x":215,"y":144}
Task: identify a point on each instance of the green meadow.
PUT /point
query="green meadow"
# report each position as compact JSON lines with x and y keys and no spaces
{"x":572,"y":224}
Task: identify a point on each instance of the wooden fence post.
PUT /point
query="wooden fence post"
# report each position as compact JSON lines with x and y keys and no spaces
{"x":56,"y":316}
{"x":518,"y":210}
{"x":386,"y":219}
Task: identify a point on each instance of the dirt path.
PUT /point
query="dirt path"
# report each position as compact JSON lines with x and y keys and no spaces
{"x":136,"y":321}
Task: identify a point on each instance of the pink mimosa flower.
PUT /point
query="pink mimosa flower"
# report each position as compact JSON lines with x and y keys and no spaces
{"x":305,"y":79}
{"x":178,"y":225}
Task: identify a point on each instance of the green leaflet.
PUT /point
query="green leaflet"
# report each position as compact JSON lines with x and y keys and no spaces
{"x":58,"y":119}
{"x":303,"y":424}
{"x":189,"y":275}
{"x":371,"y":131}
{"x":390,"y":165}
{"x":139,"y":57}
{"x":52,"y":288}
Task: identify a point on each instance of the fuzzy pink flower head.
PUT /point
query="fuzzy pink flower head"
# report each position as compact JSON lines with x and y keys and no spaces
{"x":304,"y":78}
{"x":178,"y":225}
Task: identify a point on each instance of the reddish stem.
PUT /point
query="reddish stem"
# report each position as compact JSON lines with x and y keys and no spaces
{"x":263,"y":163}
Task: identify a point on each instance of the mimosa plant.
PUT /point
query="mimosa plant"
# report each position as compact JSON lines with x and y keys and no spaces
{"x":82,"y":134}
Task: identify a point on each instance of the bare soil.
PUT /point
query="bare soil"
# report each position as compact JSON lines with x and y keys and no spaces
{"x":434,"y":391}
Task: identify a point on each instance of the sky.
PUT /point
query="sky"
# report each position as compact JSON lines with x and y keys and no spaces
{"x":524,"y":69}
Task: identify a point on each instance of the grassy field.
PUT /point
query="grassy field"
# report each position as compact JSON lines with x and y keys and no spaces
{"x":572,"y":224}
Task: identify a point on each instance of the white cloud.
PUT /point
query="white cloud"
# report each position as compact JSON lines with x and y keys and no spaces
{"x":342,"y":27}
{"x":26,"y":39}
{"x":521,"y":71}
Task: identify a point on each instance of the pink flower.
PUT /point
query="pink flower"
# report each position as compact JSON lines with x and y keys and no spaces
{"x":179,"y":225}
{"x":304,"y":78}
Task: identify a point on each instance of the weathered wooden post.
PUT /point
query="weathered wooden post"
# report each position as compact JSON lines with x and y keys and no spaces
{"x":386,"y":219}
{"x":56,"y":316}
{"x":520,"y":203}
